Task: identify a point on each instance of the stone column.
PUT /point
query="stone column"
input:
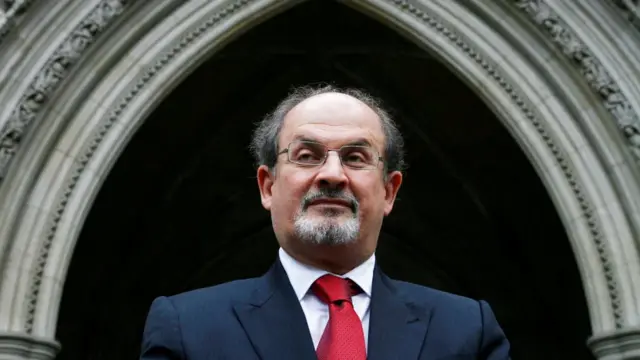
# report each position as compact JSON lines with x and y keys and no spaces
{"x":620,"y":344}
{"x":22,"y":346}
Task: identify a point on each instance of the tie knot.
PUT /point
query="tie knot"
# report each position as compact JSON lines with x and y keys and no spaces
{"x":331,"y":289}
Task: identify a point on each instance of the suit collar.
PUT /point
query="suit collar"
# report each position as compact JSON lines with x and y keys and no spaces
{"x":276,"y":326}
{"x":302,"y":276}
{"x":398,"y":327}
{"x":274,"y":321}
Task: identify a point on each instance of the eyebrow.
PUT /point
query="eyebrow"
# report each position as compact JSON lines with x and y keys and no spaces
{"x":357,"y":142}
{"x":361,"y":142}
{"x":305,"y":138}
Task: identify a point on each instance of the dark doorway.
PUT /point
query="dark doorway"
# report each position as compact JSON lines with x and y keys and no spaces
{"x":181,"y":208}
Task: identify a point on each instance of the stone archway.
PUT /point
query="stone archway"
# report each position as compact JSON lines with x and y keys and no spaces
{"x":534,"y":64}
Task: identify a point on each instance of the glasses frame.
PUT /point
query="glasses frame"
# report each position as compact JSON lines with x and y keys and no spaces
{"x":286,"y":150}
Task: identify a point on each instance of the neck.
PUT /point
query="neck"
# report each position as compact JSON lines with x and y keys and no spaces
{"x":337,"y":260}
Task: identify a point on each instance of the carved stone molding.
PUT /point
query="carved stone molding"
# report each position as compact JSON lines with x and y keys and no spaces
{"x":631,"y":10}
{"x":25,"y":346}
{"x":58,"y":66}
{"x":51,"y":75}
{"x":528,"y":111}
{"x":10,"y":13}
{"x":591,"y":68}
{"x":39,"y":91}
{"x":106,"y":125}
{"x":617,"y":345}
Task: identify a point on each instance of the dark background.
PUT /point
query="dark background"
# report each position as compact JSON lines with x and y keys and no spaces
{"x":181,"y":208}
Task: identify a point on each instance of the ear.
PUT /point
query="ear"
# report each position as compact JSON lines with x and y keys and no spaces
{"x":265,"y":182}
{"x":394,"y":180}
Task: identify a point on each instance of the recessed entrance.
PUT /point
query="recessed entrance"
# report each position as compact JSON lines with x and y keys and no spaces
{"x":181,"y":208}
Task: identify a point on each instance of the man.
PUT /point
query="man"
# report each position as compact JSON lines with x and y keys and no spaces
{"x":330,"y":164}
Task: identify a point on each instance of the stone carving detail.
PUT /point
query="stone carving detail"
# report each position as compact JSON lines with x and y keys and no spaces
{"x":526,"y":109}
{"x":53,"y":72}
{"x":10,"y":12}
{"x":99,"y":135}
{"x":630,"y":10}
{"x":41,"y":88}
{"x":590,"y":67}
{"x":5,"y":5}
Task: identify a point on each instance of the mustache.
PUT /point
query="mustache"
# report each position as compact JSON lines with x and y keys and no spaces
{"x":330,"y":194}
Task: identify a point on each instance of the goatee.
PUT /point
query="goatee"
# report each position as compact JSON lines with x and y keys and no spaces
{"x":327,"y":228}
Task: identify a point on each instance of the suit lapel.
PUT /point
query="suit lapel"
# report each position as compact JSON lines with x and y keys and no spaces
{"x":397,"y":328}
{"x":274,"y":321}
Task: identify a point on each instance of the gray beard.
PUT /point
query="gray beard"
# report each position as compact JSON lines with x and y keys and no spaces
{"x":327,"y":229}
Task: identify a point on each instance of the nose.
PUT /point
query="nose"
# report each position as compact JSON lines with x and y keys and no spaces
{"x":331,"y":173}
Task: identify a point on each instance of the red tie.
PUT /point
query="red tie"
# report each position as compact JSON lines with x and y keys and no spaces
{"x":343,"y":338}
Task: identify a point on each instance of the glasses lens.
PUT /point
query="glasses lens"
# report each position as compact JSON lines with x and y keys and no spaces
{"x":358,"y":157}
{"x":306,"y":153}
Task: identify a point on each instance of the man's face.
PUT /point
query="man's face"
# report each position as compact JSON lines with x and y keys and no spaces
{"x":329,"y":204}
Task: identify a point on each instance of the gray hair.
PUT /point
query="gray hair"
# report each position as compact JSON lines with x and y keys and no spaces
{"x":264,"y":143}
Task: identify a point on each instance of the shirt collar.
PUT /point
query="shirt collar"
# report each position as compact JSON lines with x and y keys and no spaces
{"x":302,"y":276}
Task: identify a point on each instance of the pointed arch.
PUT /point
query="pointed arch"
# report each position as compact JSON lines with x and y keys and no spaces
{"x":91,"y":84}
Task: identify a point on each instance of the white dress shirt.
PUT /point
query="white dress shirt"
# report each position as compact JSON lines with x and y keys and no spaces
{"x":303,"y":276}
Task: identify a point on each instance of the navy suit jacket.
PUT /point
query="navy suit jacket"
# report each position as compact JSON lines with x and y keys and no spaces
{"x":261,"y":318}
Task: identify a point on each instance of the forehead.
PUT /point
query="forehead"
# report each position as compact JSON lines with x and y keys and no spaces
{"x":334,"y":119}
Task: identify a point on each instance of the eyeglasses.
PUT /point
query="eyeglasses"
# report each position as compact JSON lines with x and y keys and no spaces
{"x":311,"y":154}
